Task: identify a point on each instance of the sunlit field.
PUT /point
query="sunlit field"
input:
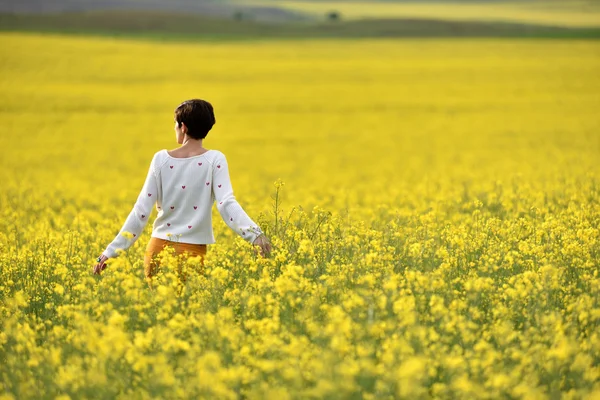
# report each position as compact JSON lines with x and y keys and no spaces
{"x":433,"y":206}
{"x":572,"y":13}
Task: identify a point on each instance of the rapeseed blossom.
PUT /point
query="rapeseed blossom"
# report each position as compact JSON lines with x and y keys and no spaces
{"x":436,"y":236}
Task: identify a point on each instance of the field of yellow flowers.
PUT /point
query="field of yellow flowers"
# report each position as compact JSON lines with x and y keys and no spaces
{"x":555,"y":12}
{"x":433,"y":206}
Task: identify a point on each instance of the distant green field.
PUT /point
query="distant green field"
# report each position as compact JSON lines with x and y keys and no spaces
{"x":556,"y":13}
{"x":173,"y":26}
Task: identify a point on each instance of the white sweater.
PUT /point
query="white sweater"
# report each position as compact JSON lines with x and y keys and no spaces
{"x":184,"y":190}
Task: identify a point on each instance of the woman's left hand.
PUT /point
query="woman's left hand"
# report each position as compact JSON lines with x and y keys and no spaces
{"x":101,"y":266}
{"x":262,"y":242}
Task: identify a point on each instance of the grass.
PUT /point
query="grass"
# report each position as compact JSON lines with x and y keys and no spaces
{"x":159,"y":25}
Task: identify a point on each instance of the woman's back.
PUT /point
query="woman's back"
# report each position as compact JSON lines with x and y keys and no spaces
{"x":185,"y":197}
{"x":184,"y":190}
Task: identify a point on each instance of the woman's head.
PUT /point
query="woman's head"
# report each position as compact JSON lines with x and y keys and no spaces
{"x":195,"y":118}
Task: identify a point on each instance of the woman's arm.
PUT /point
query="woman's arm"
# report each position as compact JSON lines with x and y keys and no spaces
{"x":138,"y":217}
{"x":232,"y":213}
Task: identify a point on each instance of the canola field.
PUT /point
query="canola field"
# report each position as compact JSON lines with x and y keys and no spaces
{"x":433,"y":206}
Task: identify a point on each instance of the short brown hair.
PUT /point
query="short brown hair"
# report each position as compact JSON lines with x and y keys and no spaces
{"x":197,"y":115}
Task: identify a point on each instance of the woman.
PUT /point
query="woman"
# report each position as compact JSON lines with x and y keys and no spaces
{"x":184,"y":183}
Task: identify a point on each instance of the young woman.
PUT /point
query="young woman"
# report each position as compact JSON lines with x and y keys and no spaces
{"x":184,"y":183}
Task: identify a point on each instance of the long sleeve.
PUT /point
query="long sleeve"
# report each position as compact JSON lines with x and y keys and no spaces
{"x":232,"y":213}
{"x":138,"y":217}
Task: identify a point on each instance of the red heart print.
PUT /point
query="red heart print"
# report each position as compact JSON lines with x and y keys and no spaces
{"x":195,"y":207}
{"x":189,"y":227}
{"x":207,"y":183}
{"x":221,"y":203}
{"x":219,"y":185}
{"x":172,"y":207}
{"x":149,"y":194}
{"x":171,"y":167}
{"x":199,"y":163}
{"x":183,"y":186}
{"x":168,"y":224}
{"x":218,"y":166}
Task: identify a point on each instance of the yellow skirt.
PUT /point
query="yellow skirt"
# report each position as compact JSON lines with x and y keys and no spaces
{"x":156,"y":245}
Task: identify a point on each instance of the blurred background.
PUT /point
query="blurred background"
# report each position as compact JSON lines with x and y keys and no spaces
{"x":301,"y":18}
{"x":443,"y":98}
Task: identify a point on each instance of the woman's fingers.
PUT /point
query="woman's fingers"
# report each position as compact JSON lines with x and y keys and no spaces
{"x":101,"y":266}
{"x":263,"y":244}
{"x":265,"y":248}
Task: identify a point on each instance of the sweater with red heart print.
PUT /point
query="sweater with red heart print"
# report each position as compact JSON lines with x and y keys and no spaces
{"x":184,"y":190}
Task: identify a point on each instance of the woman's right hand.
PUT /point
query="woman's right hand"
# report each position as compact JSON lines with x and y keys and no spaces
{"x":263,"y":243}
